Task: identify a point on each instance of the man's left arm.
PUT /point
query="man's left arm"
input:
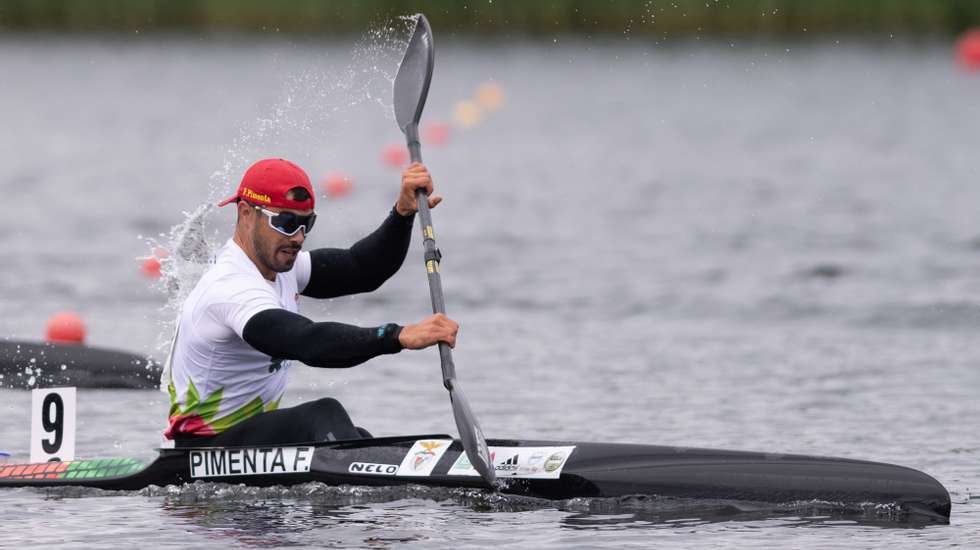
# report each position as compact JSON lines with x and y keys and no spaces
{"x":364,"y":266}
{"x":372,"y":260}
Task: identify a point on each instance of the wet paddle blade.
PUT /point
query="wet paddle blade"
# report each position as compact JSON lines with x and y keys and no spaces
{"x":474,"y":443}
{"x":414,"y":75}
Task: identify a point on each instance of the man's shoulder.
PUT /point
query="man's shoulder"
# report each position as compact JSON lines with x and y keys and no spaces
{"x":225,"y":280}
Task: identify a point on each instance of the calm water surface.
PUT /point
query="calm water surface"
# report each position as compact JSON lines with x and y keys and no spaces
{"x":744,"y":245}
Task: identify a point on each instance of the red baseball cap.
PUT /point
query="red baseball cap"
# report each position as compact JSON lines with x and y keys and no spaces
{"x":267,"y":181}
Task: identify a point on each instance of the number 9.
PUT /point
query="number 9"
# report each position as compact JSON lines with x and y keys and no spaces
{"x":55,"y":426}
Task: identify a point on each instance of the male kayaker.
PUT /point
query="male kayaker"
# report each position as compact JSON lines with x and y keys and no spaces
{"x":239,"y":329}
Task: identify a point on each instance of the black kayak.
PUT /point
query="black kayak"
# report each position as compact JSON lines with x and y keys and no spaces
{"x":544,"y":469}
{"x":74,"y":365}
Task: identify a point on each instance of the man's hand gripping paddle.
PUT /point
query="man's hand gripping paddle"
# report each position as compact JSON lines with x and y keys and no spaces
{"x":411,"y":89}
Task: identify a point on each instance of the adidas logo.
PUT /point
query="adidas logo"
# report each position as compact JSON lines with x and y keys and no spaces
{"x":508,"y":465}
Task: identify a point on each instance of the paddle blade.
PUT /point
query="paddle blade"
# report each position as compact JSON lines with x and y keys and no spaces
{"x":414,"y":75}
{"x":471,"y":435}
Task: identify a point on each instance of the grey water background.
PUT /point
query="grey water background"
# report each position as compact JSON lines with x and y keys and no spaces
{"x":731,"y":244}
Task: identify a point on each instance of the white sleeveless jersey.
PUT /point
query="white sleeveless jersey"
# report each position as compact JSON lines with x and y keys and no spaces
{"x":217,"y":379}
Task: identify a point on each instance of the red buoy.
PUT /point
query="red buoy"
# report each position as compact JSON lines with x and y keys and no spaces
{"x":395,"y":155}
{"x":435,"y":133}
{"x":151,"y":268}
{"x":337,"y":185}
{"x":968,"y":49}
{"x":65,"y":327}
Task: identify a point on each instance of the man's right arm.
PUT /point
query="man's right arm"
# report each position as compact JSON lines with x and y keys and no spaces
{"x":282,"y":334}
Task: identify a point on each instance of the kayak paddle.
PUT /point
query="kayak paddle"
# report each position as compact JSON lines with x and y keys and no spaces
{"x":410,"y":91}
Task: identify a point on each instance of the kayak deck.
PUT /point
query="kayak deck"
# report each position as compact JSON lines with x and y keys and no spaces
{"x":544,"y":469}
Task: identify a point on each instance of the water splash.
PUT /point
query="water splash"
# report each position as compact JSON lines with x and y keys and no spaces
{"x":308,"y":101}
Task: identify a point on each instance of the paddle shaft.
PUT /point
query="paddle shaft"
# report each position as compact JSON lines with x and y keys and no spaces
{"x":409,"y":91}
{"x":432,"y":258}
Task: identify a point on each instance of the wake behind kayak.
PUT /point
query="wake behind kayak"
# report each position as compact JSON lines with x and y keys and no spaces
{"x":542,"y":469}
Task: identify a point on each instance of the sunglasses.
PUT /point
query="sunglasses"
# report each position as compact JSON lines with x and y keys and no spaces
{"x":288,"y":223}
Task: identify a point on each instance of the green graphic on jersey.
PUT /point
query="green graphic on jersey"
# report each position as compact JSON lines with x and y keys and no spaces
{"x":198,"y":417}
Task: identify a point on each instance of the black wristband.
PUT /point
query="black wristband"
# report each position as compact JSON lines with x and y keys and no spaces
{"x":389,"y":336}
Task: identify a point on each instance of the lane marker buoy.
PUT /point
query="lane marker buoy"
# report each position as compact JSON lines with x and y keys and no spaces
{"x":337,"y":185}
{"x":467,"y":114}
{"x":65,"y":327}
{"x":490,"y":96}
{"x":150,"y":267}
{"x":435,"y":133}
{"x":395,"y":155}
{"x":968,"y":49}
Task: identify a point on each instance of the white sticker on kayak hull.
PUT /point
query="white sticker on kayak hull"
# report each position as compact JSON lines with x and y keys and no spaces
{"x":423,"y":457}
{"x":519,"y":462}
{"x":373,"y":468}
{"x":250,"y":461}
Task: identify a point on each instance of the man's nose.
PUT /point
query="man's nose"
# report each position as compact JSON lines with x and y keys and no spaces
{"x":299,"y":236}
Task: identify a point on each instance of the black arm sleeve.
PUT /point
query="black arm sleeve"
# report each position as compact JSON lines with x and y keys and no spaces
{"x":364,"y":266}
{"x":283,"y":334}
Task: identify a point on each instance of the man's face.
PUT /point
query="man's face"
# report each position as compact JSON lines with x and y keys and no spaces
{"x":276,"y":251}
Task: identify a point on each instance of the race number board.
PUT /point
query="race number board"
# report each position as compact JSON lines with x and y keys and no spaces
{"x":53,"y":425}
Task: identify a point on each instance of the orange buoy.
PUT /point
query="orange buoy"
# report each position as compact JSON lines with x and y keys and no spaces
{"x":395,"y":155}
{"x":151,"y":267}
{"x":435,"y":133}
{"x":337,"y":185}
{"x":968,"y":49}
{"x":490,"y":96}
{"x":65,"y":327}
{"x":467,"y":114}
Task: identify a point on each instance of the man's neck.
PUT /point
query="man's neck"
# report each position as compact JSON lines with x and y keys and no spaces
{"x":250,"y":252}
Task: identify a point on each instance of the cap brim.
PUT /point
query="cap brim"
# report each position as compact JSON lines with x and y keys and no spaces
{"x":228,"y":200}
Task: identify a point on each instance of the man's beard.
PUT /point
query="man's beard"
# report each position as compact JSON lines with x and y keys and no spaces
{"x":269,"y":254}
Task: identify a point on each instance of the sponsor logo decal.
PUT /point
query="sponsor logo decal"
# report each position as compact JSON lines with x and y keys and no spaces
{"x":509,"y":465}
{"x":425,"y":454}
{"x":249,"y":194}
{"x":423,"y":457}
{"x":554,"y":461}
{"x":250,"y":461}
{"x":372,"y":468}
{"x":463,"y":467}
{"x":519,"y":462}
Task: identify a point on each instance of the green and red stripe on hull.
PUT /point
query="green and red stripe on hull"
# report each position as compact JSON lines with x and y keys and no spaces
{"x":76,"y":469}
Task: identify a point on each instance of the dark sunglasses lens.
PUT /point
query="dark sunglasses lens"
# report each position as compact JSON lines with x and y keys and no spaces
{"x":289,"y":223}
